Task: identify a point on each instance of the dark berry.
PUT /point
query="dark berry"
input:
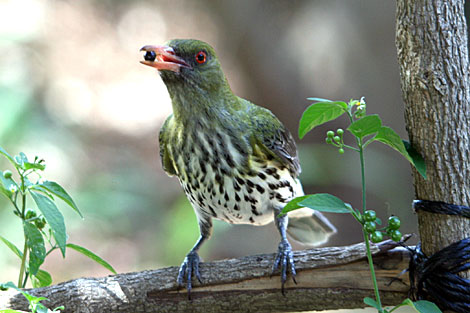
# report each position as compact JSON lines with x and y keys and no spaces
{"x":150,"y":56}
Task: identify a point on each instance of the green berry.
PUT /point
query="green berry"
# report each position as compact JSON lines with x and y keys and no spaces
{"x":330,"y":134}
{"x":7,"y":174}
{"x":328,"y":140}
{"x":336,"y":139}
{"x":341,"y":151}
{"x":40,"y":222}
{"x":339,"y":131}
{"x":393,"y":222}
{"x":30,"y":214}
{"x":376,"y":236}
{"x":395,"y":235}
{"x":370,"y":227}
{"x":370,"y":216}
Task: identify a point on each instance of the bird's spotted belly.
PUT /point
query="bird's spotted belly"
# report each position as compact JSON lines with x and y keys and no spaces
{"x":241,"y":197}
{"x":225,"y":177}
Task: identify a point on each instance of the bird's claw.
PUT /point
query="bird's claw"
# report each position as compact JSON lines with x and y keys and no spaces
{"x":284,"y":259}
{"x":189,"y":265}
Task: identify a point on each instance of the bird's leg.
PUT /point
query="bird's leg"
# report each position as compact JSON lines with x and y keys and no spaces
{"x":284,"y":258}
{"x":191,"y":262}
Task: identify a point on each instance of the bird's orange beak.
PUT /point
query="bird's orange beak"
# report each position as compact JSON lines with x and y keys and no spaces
{"x":163,"y":58}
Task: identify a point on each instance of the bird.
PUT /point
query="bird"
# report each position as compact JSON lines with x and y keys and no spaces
{"x":235,"y":160}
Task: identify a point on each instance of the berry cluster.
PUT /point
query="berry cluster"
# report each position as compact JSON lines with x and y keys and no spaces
{"x":370,"y":221}
{"x":336,"y":140}
{"x":32,"y":216}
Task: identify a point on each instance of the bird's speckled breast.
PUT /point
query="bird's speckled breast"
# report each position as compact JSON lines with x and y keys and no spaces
{"x":224,"y":179}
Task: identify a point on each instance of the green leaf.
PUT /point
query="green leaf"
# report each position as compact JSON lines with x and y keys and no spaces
{"x":325,"y":202}
{"x":417,"y":159}
{"x":389,"y":137}
{"x":11,"y":285}
{"x":406,"y":302}
{"x":12,"y":247}
{"x":92,"y":256}
{"x":421,"y":306}
{"x":55,"y":189}
{"x":37,"y":166}
{"x":34,"y":304}
{"x":320,"y":113}
{"x":25,"y":294}
{"x":41,"y":279}
{"x":54,"y":218}
{"x":343,"y":104}
{"x":21,"y":159}
{"x":293,"y":205}
{"x":366,"y":126}
{"x":36,"y":248}
{"x":424,"y":306}
{"x":371,"y":302}
{"x":11,"y":311}
{"x":40,"y":308}
{"x":8,"y":156}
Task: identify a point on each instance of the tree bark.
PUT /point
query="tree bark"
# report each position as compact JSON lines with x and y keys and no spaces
{"x":328,"y":278}
{"x":431,"y":39}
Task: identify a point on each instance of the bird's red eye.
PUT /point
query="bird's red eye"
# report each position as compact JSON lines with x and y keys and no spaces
{"x":201,"y":57}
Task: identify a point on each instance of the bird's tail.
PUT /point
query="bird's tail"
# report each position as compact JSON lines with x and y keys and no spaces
{"x":309,"y":227}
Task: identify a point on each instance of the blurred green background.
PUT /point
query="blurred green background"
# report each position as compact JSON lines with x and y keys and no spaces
{"x":72,"y":91}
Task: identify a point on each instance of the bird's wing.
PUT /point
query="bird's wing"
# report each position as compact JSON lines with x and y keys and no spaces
{"x":164,"y":154}
{"x":271,"y":135}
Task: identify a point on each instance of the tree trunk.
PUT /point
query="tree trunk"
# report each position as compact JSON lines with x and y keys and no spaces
{"x":327,"y":278}
{"x":431,"y":39}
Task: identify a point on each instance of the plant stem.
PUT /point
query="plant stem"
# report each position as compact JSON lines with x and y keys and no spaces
{"x":23,"y":265}
{"x":372,"y":271}
{"x":23,"y":198}
{"x":26,"y":276}
{"x":363,"y":176}
{"x":22,"y":284}
{"x":365,"y":234}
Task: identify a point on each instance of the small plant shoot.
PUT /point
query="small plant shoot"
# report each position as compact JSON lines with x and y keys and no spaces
{"x":364,"y":130}
{"x":35,"y":304}
{"x":43,"y":225}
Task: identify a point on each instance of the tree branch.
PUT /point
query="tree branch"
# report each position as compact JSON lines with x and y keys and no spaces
{"x":328,"y":278}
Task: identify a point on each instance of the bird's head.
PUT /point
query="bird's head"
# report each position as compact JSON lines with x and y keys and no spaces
{"x":186,"y":63}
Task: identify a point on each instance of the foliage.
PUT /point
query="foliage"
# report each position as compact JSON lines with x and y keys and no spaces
{"x":41,"y":226}
{"x":365,"y":129}
{"x":35,"y":304}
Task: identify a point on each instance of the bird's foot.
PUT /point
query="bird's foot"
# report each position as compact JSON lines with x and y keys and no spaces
{"x":189,"y":266}
{"x":285,"y":260}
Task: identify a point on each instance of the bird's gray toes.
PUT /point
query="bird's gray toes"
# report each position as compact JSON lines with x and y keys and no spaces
{"x":189,"y":266}
{"x":285,"y":261}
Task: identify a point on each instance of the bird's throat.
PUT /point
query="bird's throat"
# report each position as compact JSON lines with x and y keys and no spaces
{"x":190,"y":102}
